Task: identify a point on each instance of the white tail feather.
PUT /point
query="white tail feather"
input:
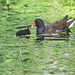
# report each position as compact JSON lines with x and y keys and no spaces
{"x":71,"y":23}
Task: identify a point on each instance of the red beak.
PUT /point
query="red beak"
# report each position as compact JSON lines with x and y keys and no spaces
{"x":33,"y":24}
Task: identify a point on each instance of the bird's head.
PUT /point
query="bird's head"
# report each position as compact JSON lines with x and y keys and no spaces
{"x":38,"y":23}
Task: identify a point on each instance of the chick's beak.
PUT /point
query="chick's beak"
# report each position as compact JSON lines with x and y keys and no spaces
{"x":27,"y":28}
{"x":33,"y":24}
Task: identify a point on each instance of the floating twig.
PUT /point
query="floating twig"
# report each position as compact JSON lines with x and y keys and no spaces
{"x":21,"y":56}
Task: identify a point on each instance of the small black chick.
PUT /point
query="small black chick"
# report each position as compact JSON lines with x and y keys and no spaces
{"x":23,"y":32}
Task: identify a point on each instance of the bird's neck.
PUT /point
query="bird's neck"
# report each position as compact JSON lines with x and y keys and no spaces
{"x":40,"y":30}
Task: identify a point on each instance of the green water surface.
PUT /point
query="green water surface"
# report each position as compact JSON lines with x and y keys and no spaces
{"x":44,"y":58}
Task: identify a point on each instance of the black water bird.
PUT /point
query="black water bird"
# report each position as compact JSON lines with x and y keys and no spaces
{"x":23,"y":32}
{"x":56,"y":27}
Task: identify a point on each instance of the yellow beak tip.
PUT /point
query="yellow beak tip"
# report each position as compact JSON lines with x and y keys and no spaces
{"x":32,"y":26}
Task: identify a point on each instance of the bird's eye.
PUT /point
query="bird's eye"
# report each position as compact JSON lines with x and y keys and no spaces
{"x":37,"y":21}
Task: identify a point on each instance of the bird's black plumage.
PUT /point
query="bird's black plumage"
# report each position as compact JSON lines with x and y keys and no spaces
{"x":40,"y":26}
{"x":23,"y":32}
{"x":56,"y":27}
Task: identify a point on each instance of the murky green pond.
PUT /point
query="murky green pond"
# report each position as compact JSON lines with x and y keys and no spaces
{"x":47,"y":57}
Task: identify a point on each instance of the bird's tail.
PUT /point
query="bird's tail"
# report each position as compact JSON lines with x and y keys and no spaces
{"x":70,"y":23}
{"x":66,"y":17}
{"x":64,"y":20}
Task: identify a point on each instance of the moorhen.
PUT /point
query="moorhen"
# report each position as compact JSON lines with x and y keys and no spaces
{"x":23,"y":32}
{"x":55,"y":27}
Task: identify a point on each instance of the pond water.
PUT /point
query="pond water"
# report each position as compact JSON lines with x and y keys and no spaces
{"x":31,"y":56}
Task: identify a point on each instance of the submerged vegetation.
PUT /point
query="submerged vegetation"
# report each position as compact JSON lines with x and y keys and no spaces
{"x":38,"y":58}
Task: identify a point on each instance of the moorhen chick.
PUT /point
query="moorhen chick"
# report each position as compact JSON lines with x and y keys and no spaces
{"x":23,"y":32}
{"x":55,"y":27}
